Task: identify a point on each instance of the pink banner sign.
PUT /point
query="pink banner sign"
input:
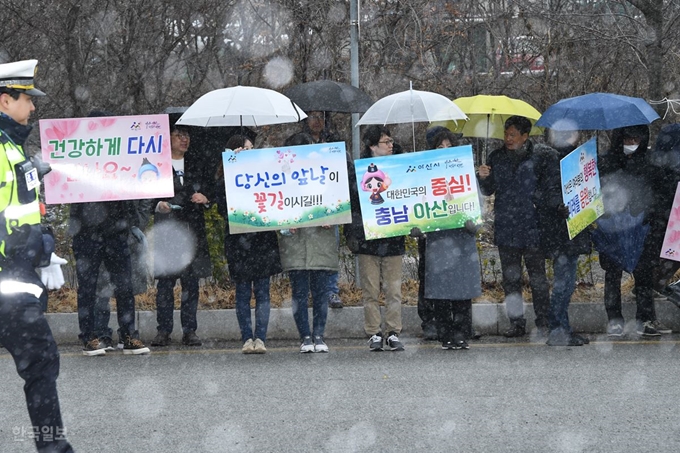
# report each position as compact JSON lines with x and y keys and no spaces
{"x":107,"y":158}
{"x":671,"y":241}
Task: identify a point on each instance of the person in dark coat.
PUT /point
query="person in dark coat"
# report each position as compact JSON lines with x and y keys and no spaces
{"x":451,"y":272}
{"x":100,"y":233}
{"x":523,"y":177}
{"x":563,"y":252}
{"x":252,"y":259}
{"x":665,"y":160}
{"x":627,"y":182}
{"x":425,"y":306}
{"x":180,"y":242}
{"x":140,"y":276}
{"x":380,"y":260}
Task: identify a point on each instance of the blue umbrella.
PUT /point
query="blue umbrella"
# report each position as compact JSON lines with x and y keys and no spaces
{"x":597,"y":111}
{"x":621,"y":237}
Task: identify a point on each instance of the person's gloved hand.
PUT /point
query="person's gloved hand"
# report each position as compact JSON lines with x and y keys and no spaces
{"x":52,"y":276}
{"x":416,"y":233}
{"x":563,"y":211}
{"x":471,"y":227}
{"x":138,"y":235}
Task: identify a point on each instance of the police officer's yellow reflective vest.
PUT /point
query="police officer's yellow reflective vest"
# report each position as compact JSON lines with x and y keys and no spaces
{"x":19,"y":186}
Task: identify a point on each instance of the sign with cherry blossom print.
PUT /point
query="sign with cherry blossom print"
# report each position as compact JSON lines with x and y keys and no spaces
{"x":107,"y":158}
{"x":671,"y":241}
{"x":286,"y":187}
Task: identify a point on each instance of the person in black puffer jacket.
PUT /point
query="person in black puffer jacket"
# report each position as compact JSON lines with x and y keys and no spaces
{"x":627,"y":184}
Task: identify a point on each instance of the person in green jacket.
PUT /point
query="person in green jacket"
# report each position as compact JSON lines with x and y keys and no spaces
{"x":309,"y":255}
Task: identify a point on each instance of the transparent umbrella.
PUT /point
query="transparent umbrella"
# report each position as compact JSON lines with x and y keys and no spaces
{"x":412,"y":106}
{"x":241,"y":106}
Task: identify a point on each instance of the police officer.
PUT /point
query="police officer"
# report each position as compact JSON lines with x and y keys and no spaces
{"x":24,"y":331}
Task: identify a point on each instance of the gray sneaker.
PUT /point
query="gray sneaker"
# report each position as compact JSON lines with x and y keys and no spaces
{"x":319,"y":345}
{"x":307,"y":345}
{"x":646,"y":329}
{"x":394,"y":343}
{"x":615,"y":328}
{"x":662,"y":329}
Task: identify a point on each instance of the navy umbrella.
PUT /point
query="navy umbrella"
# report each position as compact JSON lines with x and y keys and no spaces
{"x":621,"y":237}
{"x":597,"y":111}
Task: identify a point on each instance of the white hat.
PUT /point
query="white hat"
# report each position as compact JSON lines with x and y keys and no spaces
{"x":19,"y":75}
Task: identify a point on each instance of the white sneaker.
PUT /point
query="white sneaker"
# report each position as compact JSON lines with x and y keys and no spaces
{"x":248,"y":347}
{"x":319,"y":345}
{"x":307,"y":345}
{"x":258,"y":347}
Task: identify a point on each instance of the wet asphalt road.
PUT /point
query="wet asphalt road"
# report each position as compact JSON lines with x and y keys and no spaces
{"x":499,"y":396}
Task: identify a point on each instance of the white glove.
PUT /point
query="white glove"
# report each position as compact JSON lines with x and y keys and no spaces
{"x":52,"y":276}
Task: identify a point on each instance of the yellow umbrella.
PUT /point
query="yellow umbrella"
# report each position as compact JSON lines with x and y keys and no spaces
{"x":487,"y":115}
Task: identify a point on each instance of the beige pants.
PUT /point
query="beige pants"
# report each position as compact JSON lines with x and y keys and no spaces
{"x":371,"y":268}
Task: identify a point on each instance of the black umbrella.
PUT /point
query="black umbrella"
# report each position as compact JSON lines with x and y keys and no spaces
{"x":329,"y":96}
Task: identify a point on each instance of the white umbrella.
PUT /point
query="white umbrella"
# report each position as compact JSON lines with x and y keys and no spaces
{"x":412,"y":106}
{"x":241,"y":106}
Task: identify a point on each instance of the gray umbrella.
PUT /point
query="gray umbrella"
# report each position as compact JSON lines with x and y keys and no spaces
{"x":329,"y":96}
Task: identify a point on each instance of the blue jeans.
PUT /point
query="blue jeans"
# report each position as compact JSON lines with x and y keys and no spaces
{"x":333,"y":283}
{"x":564,"y":270}
{"x":244,"y":291}
{"x":302,"y":282}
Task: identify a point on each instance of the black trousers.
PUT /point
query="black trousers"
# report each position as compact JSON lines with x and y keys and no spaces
{"x":25,"y":334}
{"x":425,"y":306}
{"x":534,"y":261}
{"x":114,"y":252}
{"x":453,"y":318}
{"x":644,"y":282}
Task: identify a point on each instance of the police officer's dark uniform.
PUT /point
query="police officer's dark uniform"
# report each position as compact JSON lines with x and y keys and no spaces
{"x":24,"y":331}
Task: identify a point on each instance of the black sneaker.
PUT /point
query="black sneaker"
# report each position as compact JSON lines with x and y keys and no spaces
{"x":106,"y":343}
{"x":334,"y":301}
{"x":430,"y":333}
{"x":161,"y":339}
{"x":516,"y":330}
{"x":191,"y":339}
{"x":448,"y":345}
{"x":646,"y":329}
{"x":134,"y":346}
{"x":376,"y":342}
{"x":394,"y":343}
{"x":460,"y":344}
{"x":93,"y":347}
{"x":561,"y":338}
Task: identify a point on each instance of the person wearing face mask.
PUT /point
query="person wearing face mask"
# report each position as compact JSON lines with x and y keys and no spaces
{"x":626,"y":180}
